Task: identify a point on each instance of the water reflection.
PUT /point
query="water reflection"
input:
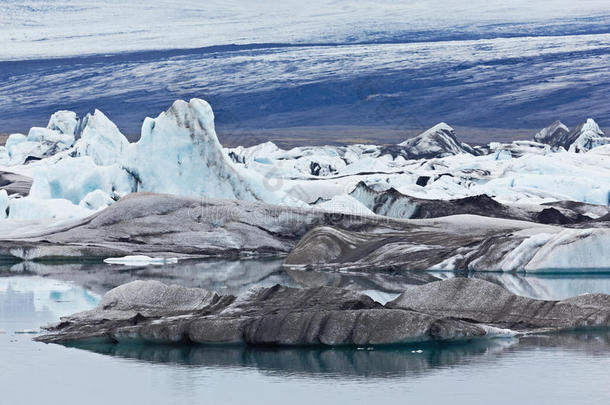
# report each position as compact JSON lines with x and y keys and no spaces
{"x":235,"y":277}
{"x":28,"y":302}
{"x":226,"y":277}
{"x":550,"y":286}
{"x":389,"y":282}
{"x":549,"y":369}
{"x":347,"y":362}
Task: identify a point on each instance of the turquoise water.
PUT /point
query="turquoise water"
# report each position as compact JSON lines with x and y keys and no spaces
{"x":562,"y":369}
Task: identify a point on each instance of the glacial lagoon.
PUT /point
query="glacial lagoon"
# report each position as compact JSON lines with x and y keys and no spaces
{"x":538,"y":369}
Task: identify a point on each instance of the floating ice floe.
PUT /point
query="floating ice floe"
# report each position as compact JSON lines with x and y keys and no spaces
{"x":453,"y":310}
{"x":27,"y":332}
{"x":140,"y":260}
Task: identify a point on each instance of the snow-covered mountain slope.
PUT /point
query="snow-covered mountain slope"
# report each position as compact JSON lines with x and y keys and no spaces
{"x":388,"y":65}
{"x":391,"y":87}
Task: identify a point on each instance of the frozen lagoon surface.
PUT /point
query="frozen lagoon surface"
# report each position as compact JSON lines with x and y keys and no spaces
{"x":545,"y":370}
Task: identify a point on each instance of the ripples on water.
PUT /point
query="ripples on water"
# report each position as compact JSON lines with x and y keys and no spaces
{"x":565,"y":368}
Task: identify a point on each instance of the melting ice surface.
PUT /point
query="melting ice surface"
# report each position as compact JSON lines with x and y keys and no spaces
{"x":547,"y":370}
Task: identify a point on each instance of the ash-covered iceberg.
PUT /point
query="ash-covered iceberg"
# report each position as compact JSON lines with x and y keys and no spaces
{"x":458,"y":309}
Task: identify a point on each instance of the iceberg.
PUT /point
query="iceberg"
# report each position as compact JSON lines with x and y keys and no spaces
{"x":29,"y":208}
{"x":95,"y":200}
{"x":64,"y":122}
{"x":588,"y":136}
{"x":74,"y":178}
{"x":179,"y":153}
{"x":43,"y":142}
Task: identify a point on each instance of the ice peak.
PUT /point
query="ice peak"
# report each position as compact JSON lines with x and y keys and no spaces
{"x":587,"y":136}
{"x":441,"y":126}
{"x":65,"y":122}
{"x":441,"y":129}
{"x":100,"y":139}
{"x":197,"y":115}
{"x":552,"y":134}
{"x":591,"y":125}
{"x":438,"y":141}
{"x":179,"y":153}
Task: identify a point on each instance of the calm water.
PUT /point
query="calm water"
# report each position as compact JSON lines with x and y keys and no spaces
{"x":563,"y":369}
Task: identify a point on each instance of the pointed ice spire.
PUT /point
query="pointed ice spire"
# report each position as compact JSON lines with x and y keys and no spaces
{"x":587,"y":136}
{"x":100,"y":139}
{"x":179,"y":153}
{"x":438,"y":141}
